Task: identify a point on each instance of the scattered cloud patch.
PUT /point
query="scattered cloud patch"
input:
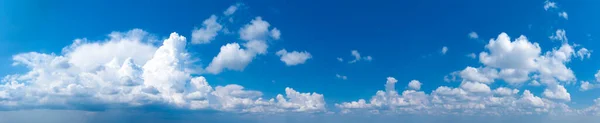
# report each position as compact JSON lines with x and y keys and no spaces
{"x":473,"y":35}
{"x":357,"y":57}
{"x":472,"y":55}
{"x":341,"y":77}
{"x":232,"y":9}
{"x":563,"y":15}
{"x":444,"y":50}
{"x":208,"y":31}
{"x":549,"y":5}
{"x":294,"y":57}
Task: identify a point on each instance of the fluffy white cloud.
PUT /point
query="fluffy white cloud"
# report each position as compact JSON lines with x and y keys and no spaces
{"x":560,"y":35}
{"x":475,"y":87}
{"x":162,"y":80}
{"x":503,"y":91}
{"x":231,"y":57}
{"x":414,"y":84}
{"x":483,"y":75}
{"x":549,"y":5}
{"x":234,"y":57}
{"x":583,"y":53}
{"x":208,"y":32}
{"x":585,"y":85}
{"x":294,"y":57}
{"x":357,"y":57}
{"x":470,"y":99}
{"x":341,"y":77}
{"x":473,"y":35}
{"x":444,"y":50}
{"x":557,"y":92}
{"x":563,"y":15}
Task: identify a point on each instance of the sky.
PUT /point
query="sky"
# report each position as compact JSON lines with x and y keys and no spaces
{"x":274,"y":61}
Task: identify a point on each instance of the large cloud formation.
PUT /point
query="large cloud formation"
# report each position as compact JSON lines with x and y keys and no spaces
{"x":513,"y":62}
{"x":126,"y":71}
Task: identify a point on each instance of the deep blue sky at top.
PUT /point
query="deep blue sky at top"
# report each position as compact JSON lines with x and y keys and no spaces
{"x":403,"y":37}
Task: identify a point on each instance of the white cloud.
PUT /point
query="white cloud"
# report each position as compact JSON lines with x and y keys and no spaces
{"x":503,"y":91}
{"x":557,"y":92}
{"x":473,"y":35}
{"x":275,"y":33}
{"x":341,"y":77}
{"x":231,"y":57}
{"x":234,"y":57}
{"x":258,"y":29}
{"x":294,"y":57}
{"x":444,"y":50}
{"x":560,"y":35}
{"x":549,"y":5}
{"x":585,"y":85}
{"x":597,"y":76}
{"x":563,"y":15}
{"x":583,"y":53}
{"x":483,"y":75}
{"x":475,"y":87}
{"x":414,"y":84}
{"x":470,"y":99}
{"x":232,"y":9}
{"x":357,"y":57}
{"x":208,"y":32}
{"x":54,"y":82}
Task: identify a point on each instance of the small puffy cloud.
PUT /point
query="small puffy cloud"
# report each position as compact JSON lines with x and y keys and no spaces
{"x":341,"y":77}
{"x":475,"y":87}
{"x":231,"y":57}
{"x":585,"y":85}
{"x":234,"y":57}
{"x":208,"y":32}
{"x":473,"y":35}
{"x":583,"y":53}
{"x":560,"y":35}
{"x":257,"y":29}
{"x":294,"y":57}
{"x":232,"y":9}
{"x":357,"y":57}
{"x":414,"y":84}
{"x":444,"y":50}
{"x":557,"y":92}
{"x":563,"y":15}
{"x":275,"y":33}
{"x":483,"y":75}
{"x":549,"y":5}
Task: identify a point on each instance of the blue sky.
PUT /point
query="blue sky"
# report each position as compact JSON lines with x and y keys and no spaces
{"x":122,"y":58}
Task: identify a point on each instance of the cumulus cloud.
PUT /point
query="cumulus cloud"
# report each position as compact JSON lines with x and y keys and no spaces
{"x":549,"y":5}
{"x":294,"y":57}
{"x":563,"y":15}
{"x":208,"y":32}
{"x":234,"y":57}
{"x":444,"y":50}
{"x":160,"y":80}
{"x":357,"y":57}
{"x":470,"y":99}
{"x":414,"y":84}
{"x":560,"y":35}
{"x":557,"y":92}
{"x":473,"y":35}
